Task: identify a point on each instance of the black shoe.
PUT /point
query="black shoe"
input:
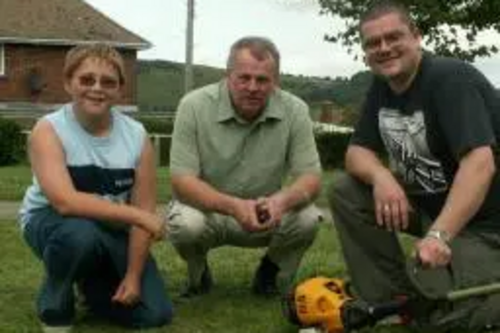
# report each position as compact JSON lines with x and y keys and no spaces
{"x":204,"y":287}
{"x":264,"y":281}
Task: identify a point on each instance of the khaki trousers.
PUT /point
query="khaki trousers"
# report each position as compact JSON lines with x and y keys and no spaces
{"x":193,"y":233}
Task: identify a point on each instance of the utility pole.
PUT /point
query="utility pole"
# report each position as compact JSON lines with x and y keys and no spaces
{"x":188,"y":66}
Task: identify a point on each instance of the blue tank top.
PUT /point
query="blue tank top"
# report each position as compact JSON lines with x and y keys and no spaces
{"x":104,"y":166}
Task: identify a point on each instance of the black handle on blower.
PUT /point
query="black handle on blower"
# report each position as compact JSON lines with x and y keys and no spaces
{"x":357,"y":314}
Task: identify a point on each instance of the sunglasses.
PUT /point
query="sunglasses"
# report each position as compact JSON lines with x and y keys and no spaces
{"x":105,"y":82}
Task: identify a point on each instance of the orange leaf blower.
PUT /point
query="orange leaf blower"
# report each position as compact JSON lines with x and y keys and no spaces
{"x":325,"y":304}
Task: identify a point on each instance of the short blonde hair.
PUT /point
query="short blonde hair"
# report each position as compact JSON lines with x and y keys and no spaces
{"x":80,"y":53}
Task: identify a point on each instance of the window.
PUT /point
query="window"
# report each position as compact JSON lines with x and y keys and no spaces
{"x":2,"y":59}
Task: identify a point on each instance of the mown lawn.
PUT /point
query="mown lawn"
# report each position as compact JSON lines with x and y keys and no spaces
{"x":13,"y":181}
{"x":230,"y":307}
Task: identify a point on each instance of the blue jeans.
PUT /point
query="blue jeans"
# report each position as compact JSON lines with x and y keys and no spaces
{"x":84,"y":252}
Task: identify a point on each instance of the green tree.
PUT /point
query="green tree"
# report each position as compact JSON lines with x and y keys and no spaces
{"x":451,"y":27}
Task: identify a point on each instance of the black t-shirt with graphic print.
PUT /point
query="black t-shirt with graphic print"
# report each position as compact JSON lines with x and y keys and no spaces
{"x":449,"y":109}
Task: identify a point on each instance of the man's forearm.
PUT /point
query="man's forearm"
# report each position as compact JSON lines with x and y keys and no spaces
{"x":201,"y":195}
{"x":467,"y":193}
{"x":364,"y":164}
{"x":302,"y":192}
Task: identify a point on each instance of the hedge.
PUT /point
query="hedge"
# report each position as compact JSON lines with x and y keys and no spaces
{"x":331,"y":148}
{"x":157,"y":125}
{"x":12,"y":143}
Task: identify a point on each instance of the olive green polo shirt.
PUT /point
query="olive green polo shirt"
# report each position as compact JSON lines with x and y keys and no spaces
{"x":244,"y":159}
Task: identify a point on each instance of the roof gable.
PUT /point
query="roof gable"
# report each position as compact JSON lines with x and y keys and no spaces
{"x":62,"y":22}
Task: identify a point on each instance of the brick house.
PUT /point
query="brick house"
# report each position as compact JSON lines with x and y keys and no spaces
{"x":34,"y":38}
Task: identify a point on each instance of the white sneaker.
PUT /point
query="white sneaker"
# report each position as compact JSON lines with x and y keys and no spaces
{"x":56,"y":329}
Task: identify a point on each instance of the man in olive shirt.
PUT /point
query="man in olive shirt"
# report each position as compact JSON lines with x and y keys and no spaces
{"x":234,"y":145}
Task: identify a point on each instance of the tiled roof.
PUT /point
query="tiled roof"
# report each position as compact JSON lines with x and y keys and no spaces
{"x":62,"y":22}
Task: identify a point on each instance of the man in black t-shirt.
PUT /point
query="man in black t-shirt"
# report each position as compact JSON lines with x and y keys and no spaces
{"x":436,"y":121}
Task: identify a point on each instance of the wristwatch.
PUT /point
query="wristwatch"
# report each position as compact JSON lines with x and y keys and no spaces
{"x":441,"y":235}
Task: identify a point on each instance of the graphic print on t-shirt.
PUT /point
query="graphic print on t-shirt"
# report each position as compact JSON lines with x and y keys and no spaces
{"x":409,"y":155}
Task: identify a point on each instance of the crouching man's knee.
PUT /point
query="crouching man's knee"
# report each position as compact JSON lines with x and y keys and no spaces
{"x":304,"y":225}
{"x":186,"y":225}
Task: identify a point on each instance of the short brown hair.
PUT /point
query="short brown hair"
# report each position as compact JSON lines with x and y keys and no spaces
{"x":260,"y":47}
{"x":78,"y":54}
{"x":380,"y":8}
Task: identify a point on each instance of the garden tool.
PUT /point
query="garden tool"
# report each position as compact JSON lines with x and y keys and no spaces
{"x":325,"y":305}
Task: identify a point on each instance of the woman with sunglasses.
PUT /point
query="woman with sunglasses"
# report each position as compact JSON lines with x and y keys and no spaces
{"x":90,"y":213}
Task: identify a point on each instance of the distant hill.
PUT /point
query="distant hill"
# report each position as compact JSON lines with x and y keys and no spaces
{"x":160,"y":85}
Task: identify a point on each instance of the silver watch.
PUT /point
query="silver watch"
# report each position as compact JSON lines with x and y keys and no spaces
{"x":441,"y":235}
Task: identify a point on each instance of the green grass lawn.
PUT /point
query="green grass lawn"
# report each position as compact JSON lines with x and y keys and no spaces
{"x":13,"y":181}
{"x":230,"y":307}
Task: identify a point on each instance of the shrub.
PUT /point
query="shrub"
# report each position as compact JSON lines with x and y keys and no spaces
{"x":332,"y":147}
{"x":12,"y":143}
{"x":165,"y":151}
{"x":161,"y":145}
{"x":157,"y":125}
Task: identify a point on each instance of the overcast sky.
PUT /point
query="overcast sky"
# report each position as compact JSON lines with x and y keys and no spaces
{"x":294,"y":25}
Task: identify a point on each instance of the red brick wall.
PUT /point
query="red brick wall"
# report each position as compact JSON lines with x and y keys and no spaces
{"x":20,"y":60}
